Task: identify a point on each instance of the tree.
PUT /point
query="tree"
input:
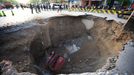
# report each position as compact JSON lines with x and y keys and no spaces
{"x":38,"y":1}
{"x":34,"y":1}
{"x":13,"y":1}
{"x":44,"y":1}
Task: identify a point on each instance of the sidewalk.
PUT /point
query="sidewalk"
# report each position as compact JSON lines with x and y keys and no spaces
{"x":21,"y":16}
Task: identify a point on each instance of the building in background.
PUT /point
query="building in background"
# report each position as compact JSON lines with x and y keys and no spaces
{"x":90,"y":3}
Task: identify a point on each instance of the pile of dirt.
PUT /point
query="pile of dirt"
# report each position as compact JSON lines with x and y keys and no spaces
{"x":85,"y":41}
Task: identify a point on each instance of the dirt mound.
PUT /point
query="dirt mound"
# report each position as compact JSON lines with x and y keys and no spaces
{"x":85,"y":41}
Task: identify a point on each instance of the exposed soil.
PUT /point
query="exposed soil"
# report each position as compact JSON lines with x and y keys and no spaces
{"x":26,"y":45}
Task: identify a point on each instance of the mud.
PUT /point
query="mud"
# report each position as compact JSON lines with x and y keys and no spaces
{"x":86,"y":46}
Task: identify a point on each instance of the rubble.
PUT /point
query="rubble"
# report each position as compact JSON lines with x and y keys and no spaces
{"x":8,"y":69}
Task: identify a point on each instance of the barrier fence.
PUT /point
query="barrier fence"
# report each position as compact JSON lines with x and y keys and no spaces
{"x":4,"y":13}
{"x":93,"y":10}
{"x":105,"y":11}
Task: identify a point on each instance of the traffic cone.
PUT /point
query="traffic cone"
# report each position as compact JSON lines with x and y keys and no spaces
{"x":3,"y":13}
{"x":12,"y":13}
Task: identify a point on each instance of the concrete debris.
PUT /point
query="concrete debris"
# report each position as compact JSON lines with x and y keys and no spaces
{"x":88,"y":23}
{"x":72,"y":48}
{"x":8,"y":69}
{"x":110,"y":64}
{"x":74,"y":45}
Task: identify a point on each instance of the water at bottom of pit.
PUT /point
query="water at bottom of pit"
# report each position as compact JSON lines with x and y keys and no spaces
{"x":81,"y":55}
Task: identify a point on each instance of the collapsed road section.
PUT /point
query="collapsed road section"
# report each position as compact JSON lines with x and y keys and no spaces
{"x":65,"y":44}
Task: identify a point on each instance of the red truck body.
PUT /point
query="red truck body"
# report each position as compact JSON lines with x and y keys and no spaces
{"x":55,"y":62}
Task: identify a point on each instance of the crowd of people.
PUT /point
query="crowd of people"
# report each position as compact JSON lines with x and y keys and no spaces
{"x":38,"y":8}
{"x":45,"y":7}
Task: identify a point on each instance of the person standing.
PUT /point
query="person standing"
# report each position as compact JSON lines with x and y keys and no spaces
{"x":53,"y":7}
{"x":60,"y":7}
{"x":41,"y":6}
{"x":22,"y":7}
{"x":44,"y":6}
{"x":38,"y":8}
{"x":49,"y":7}
{"x":31,"y":7}
{"x":17,"y":6}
